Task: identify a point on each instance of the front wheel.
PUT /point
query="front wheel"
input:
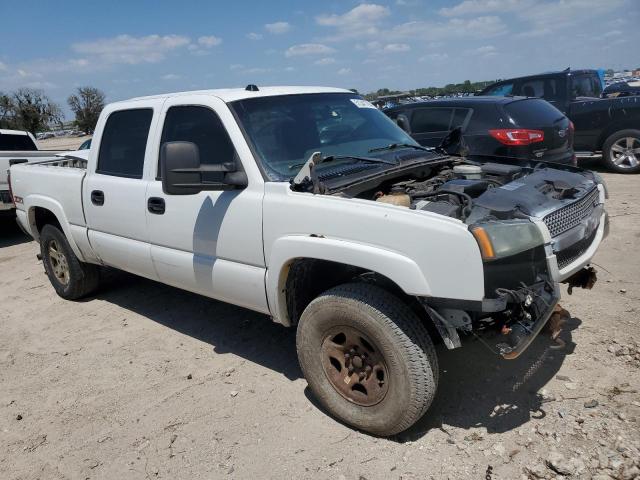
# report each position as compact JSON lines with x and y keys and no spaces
{"x":71,"y":278}
{"x":368,"y":358}
{"x":621,"y":151}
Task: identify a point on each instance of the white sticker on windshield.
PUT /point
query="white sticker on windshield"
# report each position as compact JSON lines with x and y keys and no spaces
{"x":358,"y":102}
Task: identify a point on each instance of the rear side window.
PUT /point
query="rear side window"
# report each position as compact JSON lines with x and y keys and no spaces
{"x":533,"y":113}
{"x":460,"y":117}
{"x":586,"y":86}
{"x":547,"y":88}
{"x":15,"y":143}
{"x":123,"y":143}
{"x":200,"y":125}
{"x":436,"y":119}
{"x":500,"y":90}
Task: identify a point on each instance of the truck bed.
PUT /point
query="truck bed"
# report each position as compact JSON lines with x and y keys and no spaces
{"x":56,"y":181}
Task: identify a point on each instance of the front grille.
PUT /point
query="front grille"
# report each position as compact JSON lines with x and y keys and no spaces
{"x":5,"y":197}
{"x":568,"y":255}
{"x":567,"y":217}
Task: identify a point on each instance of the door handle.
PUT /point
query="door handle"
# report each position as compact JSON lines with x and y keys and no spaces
{"x":156,"y":205}
{"x":97,"y":197}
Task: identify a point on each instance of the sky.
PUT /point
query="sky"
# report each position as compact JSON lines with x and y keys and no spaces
{"x":133,"y":48}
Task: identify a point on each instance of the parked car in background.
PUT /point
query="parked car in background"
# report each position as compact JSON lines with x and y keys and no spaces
{"x":504,"y":129}
{"x":16,"y":146}
{"x":309,"y":205}
{"x":607,"y":125}
{"x":622,"y":89}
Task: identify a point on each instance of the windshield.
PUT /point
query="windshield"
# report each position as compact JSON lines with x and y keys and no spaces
{"x":286,"y":130}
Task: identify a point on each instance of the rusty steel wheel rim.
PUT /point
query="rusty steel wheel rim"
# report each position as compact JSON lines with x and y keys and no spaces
{"x":58,"y":263}
{"x":355,"y":366}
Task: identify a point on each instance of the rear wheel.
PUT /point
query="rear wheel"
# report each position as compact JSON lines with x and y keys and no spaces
{"x":71,"y":278}
{"x":621,"y":151}
{"x":368,"y":358}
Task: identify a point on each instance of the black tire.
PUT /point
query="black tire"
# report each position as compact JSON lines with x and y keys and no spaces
{"x":612,"y":158}
{"x":80,"y":279}
{"x":394,"y":331}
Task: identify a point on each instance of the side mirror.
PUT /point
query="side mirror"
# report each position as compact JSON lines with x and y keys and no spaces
{"x":182,"y":172}
{"x":403,"y":123}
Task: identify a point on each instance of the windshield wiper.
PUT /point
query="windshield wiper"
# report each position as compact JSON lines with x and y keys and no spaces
{"x":308,"y":174}
{"x":331,"y":158}
{"x":393,"y":146}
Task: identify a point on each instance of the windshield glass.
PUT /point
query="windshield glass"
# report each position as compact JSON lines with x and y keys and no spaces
{"x":286,"y":130}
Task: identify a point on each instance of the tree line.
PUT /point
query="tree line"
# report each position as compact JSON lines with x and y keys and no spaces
{"x":450,"y":89}
{"x":32,"y":110}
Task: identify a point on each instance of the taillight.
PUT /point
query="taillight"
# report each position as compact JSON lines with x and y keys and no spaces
{"x":10,"y":190}
{"x":572,"y":129}
{"x":517,"y":136}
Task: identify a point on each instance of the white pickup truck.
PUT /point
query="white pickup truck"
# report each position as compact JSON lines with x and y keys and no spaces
{"x":16,"y":146}
{"x":310,"y":205}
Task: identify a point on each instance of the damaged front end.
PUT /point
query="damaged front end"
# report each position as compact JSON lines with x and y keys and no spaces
{"x":535,"y":232}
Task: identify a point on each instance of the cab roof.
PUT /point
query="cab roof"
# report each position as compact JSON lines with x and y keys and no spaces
{"x":233,"y":94}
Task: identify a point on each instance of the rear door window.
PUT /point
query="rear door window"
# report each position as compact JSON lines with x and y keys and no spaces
{"x":434,"y":119}
{"x":460,"y":116}
{"x":123,"y":144}
{"x":13,"y":143}
{"x":586,"y":85}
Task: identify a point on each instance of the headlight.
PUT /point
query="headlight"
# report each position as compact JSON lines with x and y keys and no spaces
{"x":601,"y":181}
{"x":506,"y":238}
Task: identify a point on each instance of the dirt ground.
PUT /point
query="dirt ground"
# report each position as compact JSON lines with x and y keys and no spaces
{"x":62,"y":143}
{"x":147,"y":381}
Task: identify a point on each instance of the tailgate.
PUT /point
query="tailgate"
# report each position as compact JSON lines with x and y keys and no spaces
{"x":537,"y":114}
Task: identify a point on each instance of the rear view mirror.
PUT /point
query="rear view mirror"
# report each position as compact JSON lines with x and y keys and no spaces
{"x":182,"y":172}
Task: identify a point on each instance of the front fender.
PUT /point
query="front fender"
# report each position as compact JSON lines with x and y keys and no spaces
{"x":398,"y":268}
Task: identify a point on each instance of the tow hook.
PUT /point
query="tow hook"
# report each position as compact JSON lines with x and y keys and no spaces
{"x":584,"y":278}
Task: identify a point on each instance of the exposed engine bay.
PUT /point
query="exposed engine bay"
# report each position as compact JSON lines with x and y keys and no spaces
{"x":472,"y":192}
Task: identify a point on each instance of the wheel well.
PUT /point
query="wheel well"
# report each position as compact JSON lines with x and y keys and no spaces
{"x":42,"y":217}
{"x":309,"y":277}
{"x":612,"y":130}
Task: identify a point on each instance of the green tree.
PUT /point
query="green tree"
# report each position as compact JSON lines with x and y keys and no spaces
{"x":34,"y":111}
{"x":86,"y":104}
{"x":7,"y":111}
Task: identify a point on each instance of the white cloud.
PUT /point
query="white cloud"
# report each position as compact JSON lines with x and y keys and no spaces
{"x":308,"y":49}
{"x":344,"y":71}
{"x":131,"y":50}
{"x":474,"y":7}
{"x":277,"y":28}
{"x":361,"y":20}
{"x":612,"y":33}
{"x":478,"y":27}
{"x":236,"y":66}
{"x":396,"y":47}
{"x":171,"y":76}
{"x":485,"y":51}
{"x":290,"y":69}
{"x":434,"y":57}
{"x":3,"y":67}
{"x":254,"y":36}
{"x":209,"y":41}
{"x":325,"y":61}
